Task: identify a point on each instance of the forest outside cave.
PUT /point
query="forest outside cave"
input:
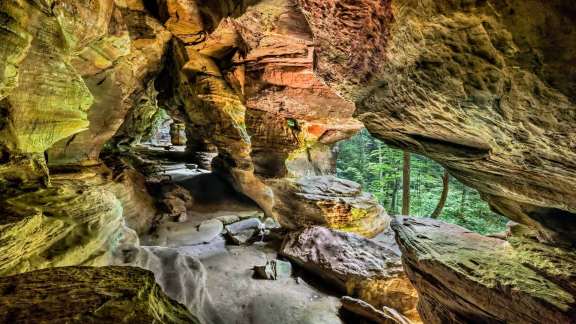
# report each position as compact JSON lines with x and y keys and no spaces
{"x":379,"y":168}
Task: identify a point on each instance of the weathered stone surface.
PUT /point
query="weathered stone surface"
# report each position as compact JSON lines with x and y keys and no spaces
{"x":290,"y":111}
{"x":88,"y":295}
{"x":273,"y":270}
{"x":45,"y":99}
{"x":143,"y":119}
{"x":326,"y":200}
{"x":68,"y":224}
{"x":472,"y":278}
{"x":486,"y":88}
{"x":116,"y":69}
{"x":139,"y":208}
{"x":196,"y":85}
{"x":352,"y":40}
{"x":369,"y":312}
{"x":247,"y":86}
{"x":358,"y":266}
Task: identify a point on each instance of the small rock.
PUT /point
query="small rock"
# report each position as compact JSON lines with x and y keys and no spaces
{"x":271,"y":223}
{"x":192,"y":166}
{"x":242,"y":237}
{"x":250,"y":214}
{"x":228,"y":219}
{"x":361,"y":308}
{"x":274,"y":270}
{"x":251,"y":223}
{"x":176,"y":201}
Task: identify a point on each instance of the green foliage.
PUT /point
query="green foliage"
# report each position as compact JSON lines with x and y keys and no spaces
{"x":378,"y":168}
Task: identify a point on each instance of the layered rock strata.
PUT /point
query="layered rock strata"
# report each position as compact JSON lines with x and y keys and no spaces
{"x":65,"y":225}
{"x":486,"y":88}
{"x":88,"y":295}
{"x":247,"y":86}
{"x":116,"y":69}
{"x":472,"y":278}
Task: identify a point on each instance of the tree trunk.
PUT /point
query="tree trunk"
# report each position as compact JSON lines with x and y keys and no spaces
{"x":442,"y":201}
{"x":362,"y":159}
{"x":394,"y":195}
{"x":380,"y":170}
{"x":462,"y":202}
{"x":406,"y":184}
{"x":418,"y":198}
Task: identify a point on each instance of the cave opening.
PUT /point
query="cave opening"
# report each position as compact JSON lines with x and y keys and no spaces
{"x":379,"y":168}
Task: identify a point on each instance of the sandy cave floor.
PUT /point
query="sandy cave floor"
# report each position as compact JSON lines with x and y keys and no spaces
{"x":242,"y":299}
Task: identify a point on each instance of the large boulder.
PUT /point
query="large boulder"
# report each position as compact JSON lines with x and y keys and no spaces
{"x":470,"y":278}
{"x":88,"y":295}
{"x":355,"y":265}
{"x":328,"y":201}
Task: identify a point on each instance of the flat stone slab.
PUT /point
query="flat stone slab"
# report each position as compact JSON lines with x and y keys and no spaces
{"x":464,"y":277}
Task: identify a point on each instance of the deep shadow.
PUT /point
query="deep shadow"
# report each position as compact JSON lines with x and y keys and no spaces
{"x":210,"y":190}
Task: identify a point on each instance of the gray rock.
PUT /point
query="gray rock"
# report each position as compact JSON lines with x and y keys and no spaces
{"x":361,"y":308}
{"x":182,"y":234}
{"x":241,"y":226}
{"x":242,"y":237}
{"x":228,"y":219}
{"x":274,"y":270}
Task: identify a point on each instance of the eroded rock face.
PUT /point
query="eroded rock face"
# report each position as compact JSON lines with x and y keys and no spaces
{"x":472,"y":278}
{"x":247,"y":86}
{"x":116,"y":69}
{"x":486,"y":88}
{"x":139,"y":206}
{"x":88,"y":295}
{"x":69,"y":224}
{"x":370,"y":313}
{"x":359,"y":267}
{"x":44,"y":99}
{"x":291,"y":113}
{"x":329,"y":201}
